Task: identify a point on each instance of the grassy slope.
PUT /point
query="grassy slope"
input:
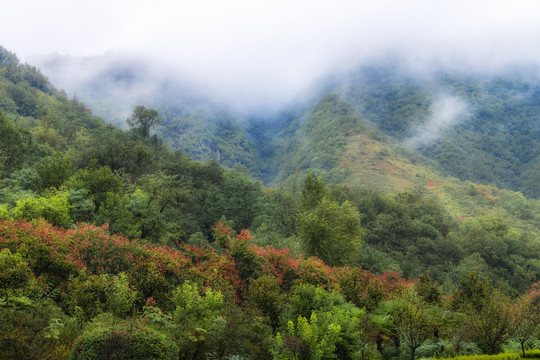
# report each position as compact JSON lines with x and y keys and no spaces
{"x":372,"y":163}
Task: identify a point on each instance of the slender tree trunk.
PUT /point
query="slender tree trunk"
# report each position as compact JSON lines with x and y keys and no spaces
{"x":413,"y":350}
{"x":379,"y":345}
{"x":397,"y":342}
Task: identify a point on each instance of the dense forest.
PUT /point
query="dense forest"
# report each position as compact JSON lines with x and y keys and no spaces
{"x":116,"y":244}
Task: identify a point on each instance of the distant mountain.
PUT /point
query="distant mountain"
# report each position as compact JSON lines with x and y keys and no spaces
{"x":484,"y":128}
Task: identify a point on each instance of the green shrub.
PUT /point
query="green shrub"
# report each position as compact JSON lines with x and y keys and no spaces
{"x":53,"y":207}
{"x":532,"y":354}
{"x":108,"y":338}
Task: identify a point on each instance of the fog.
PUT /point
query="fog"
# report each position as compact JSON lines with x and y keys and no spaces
{"x":446,"y":111}
{"x":256,"y":55}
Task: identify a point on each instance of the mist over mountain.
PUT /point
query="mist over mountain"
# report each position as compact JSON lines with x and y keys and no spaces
{"x":467,"y":122}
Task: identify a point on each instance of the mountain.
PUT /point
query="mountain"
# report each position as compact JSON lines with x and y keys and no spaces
{"x":478,"y":128}
{"x":482,"y":128}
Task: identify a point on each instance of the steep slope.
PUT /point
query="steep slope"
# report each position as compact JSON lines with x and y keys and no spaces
{"x":337,"y":142}
{"x":112,"y":85}
{"x":387,"y":129}
{"x":480,"y":128}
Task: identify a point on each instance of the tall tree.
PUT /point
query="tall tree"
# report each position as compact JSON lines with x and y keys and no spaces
{"x":492,"y":324}
{"x":527,"y":316}
{"x":143,"y":120}
{"x":416,"y":322}
{"x":332,"y":232}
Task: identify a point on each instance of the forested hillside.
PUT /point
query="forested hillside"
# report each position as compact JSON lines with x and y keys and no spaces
{"x":476,"y":127}
{"x":487,"y":133}
{"x":113,"y":242}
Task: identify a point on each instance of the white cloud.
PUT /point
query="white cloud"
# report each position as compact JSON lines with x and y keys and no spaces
{"x":446,"y":111}
{"x":266,"y":52}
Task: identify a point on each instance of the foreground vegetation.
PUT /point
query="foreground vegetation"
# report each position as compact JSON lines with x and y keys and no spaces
{"x":85,"y":294}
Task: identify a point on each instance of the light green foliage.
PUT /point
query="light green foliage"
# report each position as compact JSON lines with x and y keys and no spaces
{"x":331,"y":232}
{"x":110,"y":338}
{"x":198,"y":319}
{"x":53,"y":171}
{"x":333,"y":314}
{"x":307,"y":340}
{"x":532,"y":354}
{"x":4,"y":211}
{"x":53,"y":207}
{"x":503,"y":356}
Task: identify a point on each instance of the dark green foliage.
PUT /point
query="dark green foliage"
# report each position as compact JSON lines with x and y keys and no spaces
{"x":306,"y":298}
{"x":313,"y":191}
{"x":15,"y":147}
{"x":428,"y":289}
{"x":491,"y":325}
{"x":98,"y":181}
{"x":53,"y":171}
{"x":265,"y":293}
{"x":143,"y":120}
{"x":208,"y":134}
{"x":472,"y":292}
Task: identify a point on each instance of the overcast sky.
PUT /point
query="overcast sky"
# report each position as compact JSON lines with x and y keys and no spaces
{"x":276,"y":48}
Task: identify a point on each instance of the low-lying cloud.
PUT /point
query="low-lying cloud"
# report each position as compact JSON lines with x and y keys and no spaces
{"x":446,"y":112}
{"x":261,"y":54}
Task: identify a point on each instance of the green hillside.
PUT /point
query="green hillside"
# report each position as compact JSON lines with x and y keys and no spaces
{"x":494,"y":140}
{"x":115,"y":244}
